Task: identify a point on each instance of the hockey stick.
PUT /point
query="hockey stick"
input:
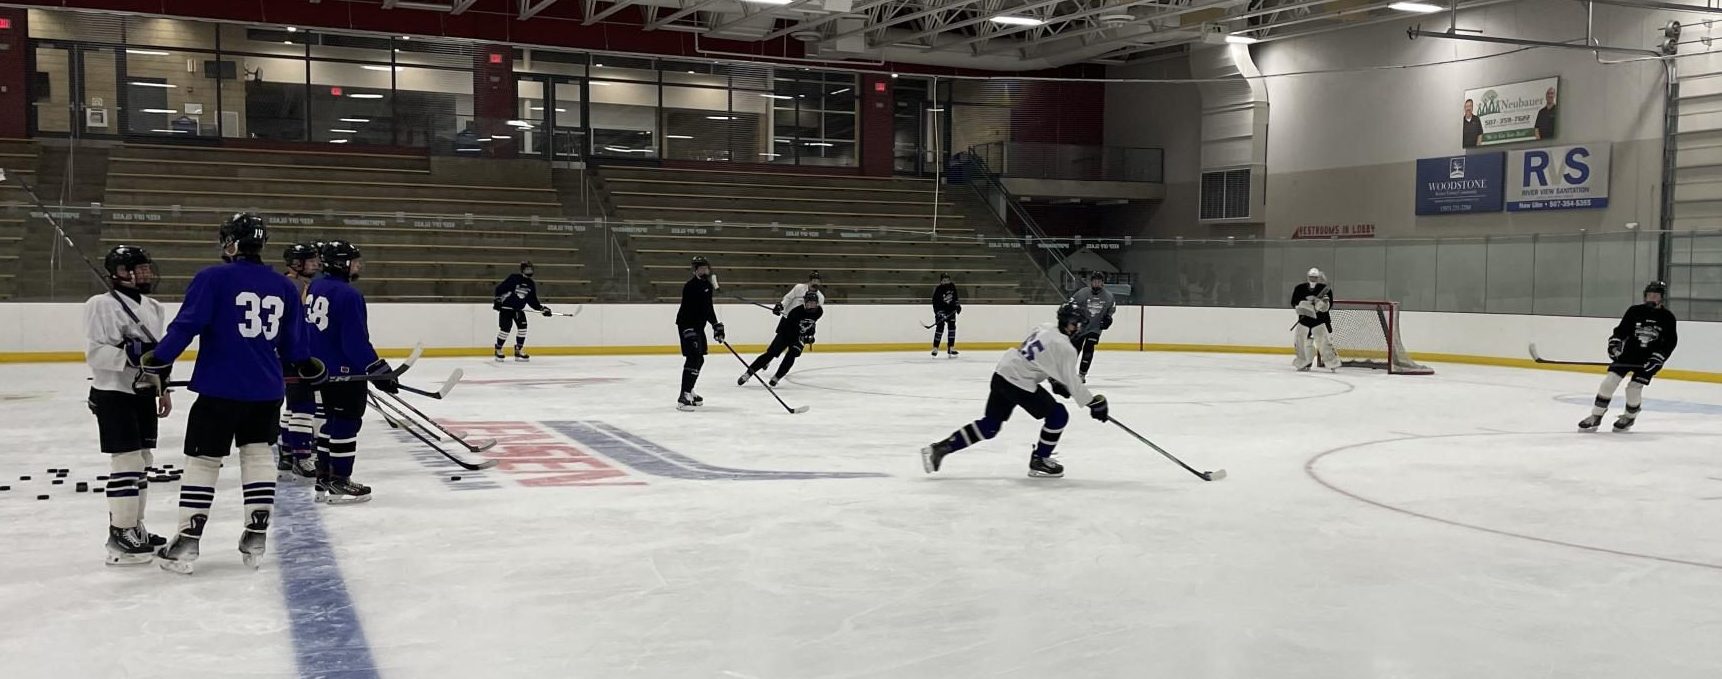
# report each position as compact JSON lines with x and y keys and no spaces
{"x":1594,"y":364}
{"x":482,"y":446}
{"x":399,"y":420}
{"x":739,"y":298}
{"x":48,"y":215}
{"x":418,"y":351}
{"x":1215,"y":475}
{"x":577,"y":310}
{"x":447,"y":386}
{"x":744,"y":365}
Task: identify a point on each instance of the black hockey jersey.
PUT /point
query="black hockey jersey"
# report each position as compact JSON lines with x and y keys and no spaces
{"x":696,"y":309}
{"x":1646,"y":330}
{"x":1305,"y":291}
{"x":799,"y":322}
{"x":517,"y":292}
{"x":945,"y":299}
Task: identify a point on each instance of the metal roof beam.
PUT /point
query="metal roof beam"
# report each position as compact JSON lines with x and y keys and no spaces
{"x":821,"y":21}
{"x":981,"y":19}
{"x":658,"y":23}
{"x":612,"y":9}
{"x":953,"y":4}
{"x":529,"y":10}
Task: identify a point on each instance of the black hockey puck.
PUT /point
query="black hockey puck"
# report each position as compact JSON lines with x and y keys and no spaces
{"x":23,"y":478}
{"x":160,"y":479}
{"x":41,"y":497}
{"x":5,"y":488}
{"x":83,"y":487}
{"x":59,"y":481}
{"x":167,"y":466}
{"x":454,"y":478}
{"x":103,"y":477}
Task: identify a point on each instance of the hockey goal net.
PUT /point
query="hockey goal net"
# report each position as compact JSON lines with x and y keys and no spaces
{"x":1366,"y":334}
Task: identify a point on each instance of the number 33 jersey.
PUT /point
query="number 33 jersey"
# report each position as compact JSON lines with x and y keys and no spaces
{"x":244,"y":316}
{"x":1046,"y":354}
{"x":340,"y":330}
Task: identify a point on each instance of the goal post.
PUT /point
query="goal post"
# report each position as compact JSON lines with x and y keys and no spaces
{"x":1367,"y":334}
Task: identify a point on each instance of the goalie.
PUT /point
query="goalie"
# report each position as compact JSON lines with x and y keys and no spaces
{"x":1312,"y":299}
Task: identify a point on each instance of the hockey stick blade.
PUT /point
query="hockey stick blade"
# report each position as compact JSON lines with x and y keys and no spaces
{"x":1215,"y":475}
{"x":442,"y":391}
{"x":479,"y":447}
{"x":411,"y":427}
{"x":792,"y":411}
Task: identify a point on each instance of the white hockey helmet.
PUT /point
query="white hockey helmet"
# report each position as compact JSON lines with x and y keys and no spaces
{"x":1314,"y":273}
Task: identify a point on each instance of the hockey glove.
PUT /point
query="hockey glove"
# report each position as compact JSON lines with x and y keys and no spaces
{"x":1059,"y":388}
{"x":777,"y":309}
{"x":1652,"y":365}
{"x":957,"y":309}
{"x":1097,"y":408}
{"x":807,"y":340}
{"x":311,"y":372}
{"x":1616,"y":345}
{"x":717,"y":332}
{"x":381,"y":367}
{"x":546,"y":312}
{"x":148,"y":364}
{"x":1106,"y":322}
{"x":1306,"y":309}
{"x":135,"y":350}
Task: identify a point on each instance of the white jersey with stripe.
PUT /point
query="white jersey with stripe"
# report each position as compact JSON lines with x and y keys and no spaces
{"x":106,"y":329}
{"x":1046,"y":354}
{"x":797,"y":295}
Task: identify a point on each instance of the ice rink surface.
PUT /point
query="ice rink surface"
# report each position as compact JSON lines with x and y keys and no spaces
{"x":1372,"y":526}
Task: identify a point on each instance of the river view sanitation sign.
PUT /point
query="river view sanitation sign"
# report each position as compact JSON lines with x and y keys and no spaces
{"x":1558,"y":178}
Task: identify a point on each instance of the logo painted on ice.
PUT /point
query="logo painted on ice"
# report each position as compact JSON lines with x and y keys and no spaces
{"x":588,"y":453}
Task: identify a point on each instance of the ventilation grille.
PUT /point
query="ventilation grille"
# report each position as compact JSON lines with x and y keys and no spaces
{"x":1226,"y":194}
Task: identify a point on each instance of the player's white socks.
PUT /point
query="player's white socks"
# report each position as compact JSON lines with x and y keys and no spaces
{"x":1605,"y":394}
{"x":520,"y":337}
{"x":197,"y":488}
{"x":125,"y":500}
{"x":257,"y":476}
{"x":1634,"y":396}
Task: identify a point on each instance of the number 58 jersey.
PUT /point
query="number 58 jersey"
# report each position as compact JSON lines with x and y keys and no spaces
{"x":244,"y":316}
{"x":1046,"y":354}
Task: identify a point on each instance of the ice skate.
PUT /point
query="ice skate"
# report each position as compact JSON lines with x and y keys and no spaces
{"x":933,"y":456}
{"x":283,"y":461}
{"x":338,"y":491}
{"x":304,"y":469}
{"x":253,"y":542}
{"x":774,"y":380}
{"x":500,"y":357}
{"x":935,"y":352}
{"x":1625,"y":422}
{"x":698,"y":399}
{"x":1044,"y":467}
{"x":128,"y":547}
{"x":952,"y":353}
{"x":685,"y":402}
{"x":179,"y":556}
{"x":521,"y":355}
{"x":742,"y":381}
{"x":1590,"y":423}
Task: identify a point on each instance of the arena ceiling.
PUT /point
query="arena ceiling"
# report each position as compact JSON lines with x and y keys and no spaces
{"x":1014,"y":35}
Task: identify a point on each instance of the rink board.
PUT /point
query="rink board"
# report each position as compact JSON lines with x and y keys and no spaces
{"x":44,"y":332}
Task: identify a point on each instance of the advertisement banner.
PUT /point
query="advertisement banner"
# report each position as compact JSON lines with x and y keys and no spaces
{"x":1558,"y":178}
{"x":1460,"y":184}
{"x":1503,"y":114}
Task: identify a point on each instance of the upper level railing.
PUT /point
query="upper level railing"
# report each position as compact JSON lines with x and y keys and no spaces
{"x":1024,"y":160}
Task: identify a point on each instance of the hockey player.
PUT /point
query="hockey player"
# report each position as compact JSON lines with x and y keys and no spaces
{"x":341,"y":339}
{"x":814,"y":284}
{"x":794,"y":332}
{"x":297,"y":440}
{"x":513,"y":295}
{"x":946,"y":306}
{"x":240,"y":313}
{"x":1312,"y":299}
{"x":692,"y":316}
{"x":1049,"y":353}
{"x":1097,"y":302}
{"x":1639,"y":345}
{"x":126,"y":402}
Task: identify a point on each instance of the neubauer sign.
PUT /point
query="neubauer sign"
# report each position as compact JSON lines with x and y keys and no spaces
{"x":1459,"y":184}
{"x":1558,"y":178}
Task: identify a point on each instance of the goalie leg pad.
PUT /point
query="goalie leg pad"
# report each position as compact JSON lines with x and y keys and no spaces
{"x":1301,"y":345}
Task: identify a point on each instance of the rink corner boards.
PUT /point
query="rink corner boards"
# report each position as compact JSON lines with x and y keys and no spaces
{"x":471,"y":352}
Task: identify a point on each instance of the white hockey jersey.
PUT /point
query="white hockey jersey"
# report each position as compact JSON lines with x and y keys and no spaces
{"x":797,"y":295}
{"x":1046,"y":354}
{"x":107,"y":327}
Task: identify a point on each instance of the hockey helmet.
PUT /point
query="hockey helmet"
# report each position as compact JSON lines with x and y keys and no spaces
{"x":299,"y":256}
{"x":338,"y":256}
{"x":815,"y":277}
{"x":1314,"y":273}
{"x":811,"y":296}
{"x":1097,"y":276}
{"x":1658,"y":287}
{"x":944,"y":278}
{"x":246,"y":232}
{"x":136,"y":261}
{"x":1071,"y":313}
{"x":699,"y":262}
{"x":526,"y":269}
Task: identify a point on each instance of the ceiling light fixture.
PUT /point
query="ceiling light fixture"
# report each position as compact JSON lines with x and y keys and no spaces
{"x":153,"y":53}
{"x":340,"y":131}
{"x":1241,"y":40}
{"x":365,"y":96}
{"x":355,"y":120}
{"x":1009,"y":20}
{"x":165,"y":86}
{"x":160,"y":110}
{"x":1415,"y":7}
{"x":677,"y":136}
{"x":841,"y":91}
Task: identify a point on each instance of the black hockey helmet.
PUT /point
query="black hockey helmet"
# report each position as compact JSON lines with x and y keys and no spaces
{"x":1071,"y":312}
{"x":131,"y":258}
{"x":338,"y":256}
{"x":811,"y":296}
{"x":1658,"y":287}
{"x":815,"y":277}
{"x":699,"y":262}
{"x":1097,"y":276}
{"x":246,"y":232}
{"x":297,"y":253}
{"x":526,"y":268}
{"x":944,"y":277}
